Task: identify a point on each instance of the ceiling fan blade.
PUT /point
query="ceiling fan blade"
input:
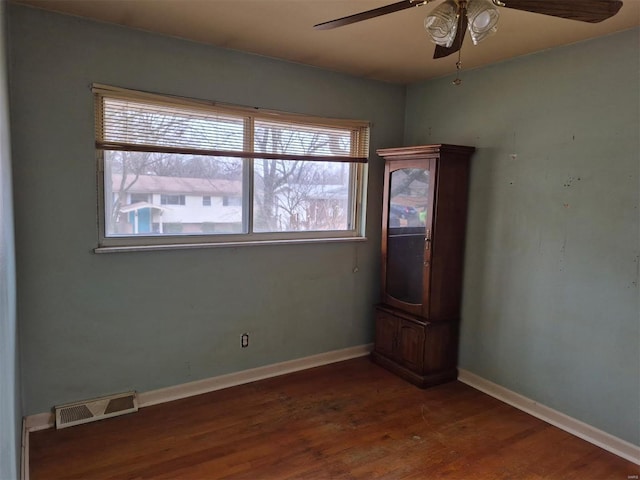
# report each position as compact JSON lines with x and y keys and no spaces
{"x":376,"y":12}
{"x":592,"y":11}
{"x":441,"y":51}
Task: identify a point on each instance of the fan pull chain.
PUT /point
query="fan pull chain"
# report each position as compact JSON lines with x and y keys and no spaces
{"x":458,"y":80}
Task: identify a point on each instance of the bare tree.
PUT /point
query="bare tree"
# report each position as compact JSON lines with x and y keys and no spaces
{"x":128,"y":166}
{"x":288,"y":187}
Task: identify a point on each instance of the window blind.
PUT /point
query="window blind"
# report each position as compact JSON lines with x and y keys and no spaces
{"x":138,"y":121}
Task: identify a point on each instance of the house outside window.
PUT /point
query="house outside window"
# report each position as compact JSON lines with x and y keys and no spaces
{"x":231,"y":201}
{"x":139,"y":198}
{"x":216,"y":175}
{"x":172,"y":199}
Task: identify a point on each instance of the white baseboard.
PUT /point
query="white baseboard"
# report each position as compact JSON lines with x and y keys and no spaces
{"x":39,"y":421}
{"x":42,"y":421}
{"x":184,"y":390}
{"x":608,"y":442}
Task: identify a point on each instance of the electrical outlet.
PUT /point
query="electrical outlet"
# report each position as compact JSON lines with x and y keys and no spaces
{"x":244,"y":340}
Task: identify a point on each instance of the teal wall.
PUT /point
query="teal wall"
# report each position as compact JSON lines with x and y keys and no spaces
{"x":551,"y":292}
{"x":10,"y":399}
{"x":97,"y":324}
{"x":551,"y":287}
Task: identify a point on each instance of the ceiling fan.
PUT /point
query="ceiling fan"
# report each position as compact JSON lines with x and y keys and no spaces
{"x":446,"y":24}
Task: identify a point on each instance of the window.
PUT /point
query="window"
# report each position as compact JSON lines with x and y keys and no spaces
{"x":231,"y":201}
{"x":139,"y":197}
{"x":172,"y":200}
{"x":264,"y":176}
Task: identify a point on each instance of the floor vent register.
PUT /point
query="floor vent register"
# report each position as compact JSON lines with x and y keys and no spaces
{"x":87,"y":411}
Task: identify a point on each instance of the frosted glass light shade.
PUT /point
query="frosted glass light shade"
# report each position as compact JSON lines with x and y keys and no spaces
{"x":442,"y":23}
{"x":483,"y":17}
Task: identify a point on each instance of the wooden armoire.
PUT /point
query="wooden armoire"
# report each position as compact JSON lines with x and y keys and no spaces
{"x":423,"y":238}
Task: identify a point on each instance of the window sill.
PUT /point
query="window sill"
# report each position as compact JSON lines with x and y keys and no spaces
{"x":191,"y":246}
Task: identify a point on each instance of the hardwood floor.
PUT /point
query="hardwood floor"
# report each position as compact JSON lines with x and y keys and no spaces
{"x":349,"y":420}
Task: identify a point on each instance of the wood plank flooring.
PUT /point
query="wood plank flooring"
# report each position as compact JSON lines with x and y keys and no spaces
{"x":349,"y":420}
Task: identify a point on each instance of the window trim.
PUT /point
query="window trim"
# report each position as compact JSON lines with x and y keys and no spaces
{"x":358,"y":176}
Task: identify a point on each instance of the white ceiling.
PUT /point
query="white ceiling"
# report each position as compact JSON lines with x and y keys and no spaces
{"x":391,"y":48}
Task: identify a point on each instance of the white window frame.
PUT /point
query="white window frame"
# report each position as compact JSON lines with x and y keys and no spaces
{"x":358,"y":175}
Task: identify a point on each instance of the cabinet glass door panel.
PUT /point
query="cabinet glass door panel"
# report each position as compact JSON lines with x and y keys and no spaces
{"x":407,"y":215}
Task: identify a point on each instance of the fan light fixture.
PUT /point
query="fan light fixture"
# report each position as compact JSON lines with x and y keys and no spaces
{"x":483,"y":17}
{"x":442,"y":23}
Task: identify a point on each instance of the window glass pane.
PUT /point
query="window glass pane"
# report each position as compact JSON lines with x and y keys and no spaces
{"x":408,"y":199}
{"x":408,"y":204}
{"x":301,"y":196}
{"x":162,"y":194}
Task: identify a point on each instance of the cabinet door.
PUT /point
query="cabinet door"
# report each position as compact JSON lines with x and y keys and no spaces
{"x":411,"y":345}
{"x":407,"y":233}
{"x":386,"y":334}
